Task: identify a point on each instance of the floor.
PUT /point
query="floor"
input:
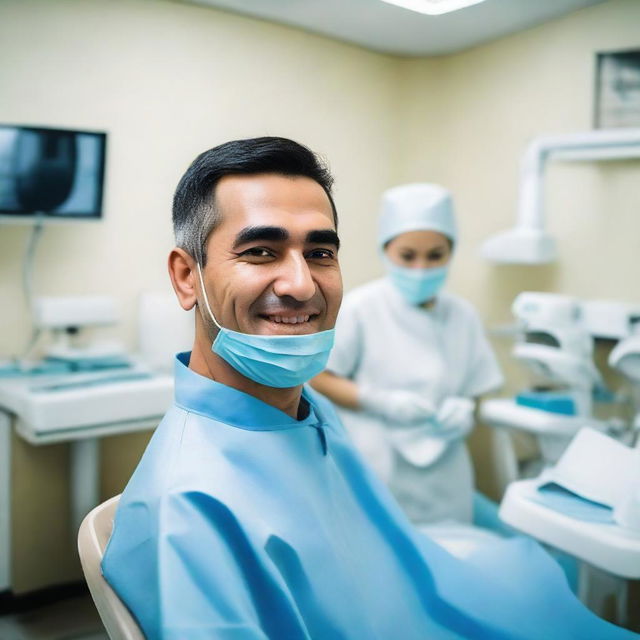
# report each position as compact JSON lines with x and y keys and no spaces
{"x":70,"y":619}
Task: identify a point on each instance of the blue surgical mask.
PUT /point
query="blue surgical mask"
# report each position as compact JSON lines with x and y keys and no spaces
{"x":275,"y":361}
{"x":416,"y":285}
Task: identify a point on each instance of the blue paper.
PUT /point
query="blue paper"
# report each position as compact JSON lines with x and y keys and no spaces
{"x":570,"y":504}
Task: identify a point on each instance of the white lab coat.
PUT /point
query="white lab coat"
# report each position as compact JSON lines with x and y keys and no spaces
{"x":385,"y":342}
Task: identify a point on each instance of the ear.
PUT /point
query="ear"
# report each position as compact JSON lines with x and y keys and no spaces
{"x":182,"y":271}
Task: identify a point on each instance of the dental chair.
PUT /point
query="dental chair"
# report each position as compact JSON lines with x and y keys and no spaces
{"x":462,"y":539}
{"x":93,"y":536}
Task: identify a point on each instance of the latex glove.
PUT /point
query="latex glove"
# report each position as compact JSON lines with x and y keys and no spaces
{"x":400,"y":406}
{"x":455,"y":416}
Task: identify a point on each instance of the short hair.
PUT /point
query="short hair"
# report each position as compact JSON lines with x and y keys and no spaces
{"x":195,"y":215}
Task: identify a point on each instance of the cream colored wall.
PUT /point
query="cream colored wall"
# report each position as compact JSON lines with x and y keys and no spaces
{"x":166,"y":81}
{"x":467,"y":119}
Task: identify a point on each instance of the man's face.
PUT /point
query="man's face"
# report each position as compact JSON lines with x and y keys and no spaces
{"x":272,"y":262}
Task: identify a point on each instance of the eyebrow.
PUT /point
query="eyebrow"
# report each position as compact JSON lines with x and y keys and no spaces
{"x":280,"y":234}
{"x":253,"y":234}
{"x":324,"y":236}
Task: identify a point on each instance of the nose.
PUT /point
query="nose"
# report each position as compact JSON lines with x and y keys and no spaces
{"x":294,"y":279}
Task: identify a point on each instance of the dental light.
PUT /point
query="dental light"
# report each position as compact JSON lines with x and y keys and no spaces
{"x":433,"y":7}
{"x":528,"y":242}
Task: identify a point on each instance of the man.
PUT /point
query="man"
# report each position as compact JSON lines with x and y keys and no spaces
{"x":250,"y":515}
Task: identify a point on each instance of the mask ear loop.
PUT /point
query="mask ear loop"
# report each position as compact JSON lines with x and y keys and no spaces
{"x":206,"y":299}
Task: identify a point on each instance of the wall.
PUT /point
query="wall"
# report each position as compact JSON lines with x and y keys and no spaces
{"x":467,"y":119}
{"x":166,"y":81}
{"x":470,"y":135}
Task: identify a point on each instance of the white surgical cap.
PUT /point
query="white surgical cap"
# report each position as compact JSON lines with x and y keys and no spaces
{"x":416,"y":207}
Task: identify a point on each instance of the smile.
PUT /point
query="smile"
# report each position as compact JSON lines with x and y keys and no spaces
{"x":289,"y":319}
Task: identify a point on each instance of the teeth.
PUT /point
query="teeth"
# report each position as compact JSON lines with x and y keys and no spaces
{"x":294,"y":320}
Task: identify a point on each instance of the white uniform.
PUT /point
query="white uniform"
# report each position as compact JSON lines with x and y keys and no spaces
{"x":384,"y":342}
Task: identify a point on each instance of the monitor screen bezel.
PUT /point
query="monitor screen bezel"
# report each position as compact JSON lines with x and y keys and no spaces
{"x":30,"y":217}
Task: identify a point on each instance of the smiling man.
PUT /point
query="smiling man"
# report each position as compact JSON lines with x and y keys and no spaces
{"x":271,"y":270}
{"x":250,"y":515}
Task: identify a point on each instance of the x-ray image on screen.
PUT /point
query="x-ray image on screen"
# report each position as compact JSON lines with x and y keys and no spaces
{"x":52,"y":172}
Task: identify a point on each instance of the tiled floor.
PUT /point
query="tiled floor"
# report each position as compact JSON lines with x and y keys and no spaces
{"x":71,"y":619}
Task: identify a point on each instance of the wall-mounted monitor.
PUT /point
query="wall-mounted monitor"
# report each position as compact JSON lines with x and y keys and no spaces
{"x":50,"y":174}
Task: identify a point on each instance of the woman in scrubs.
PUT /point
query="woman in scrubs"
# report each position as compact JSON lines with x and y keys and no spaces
{"x":410,"y":360}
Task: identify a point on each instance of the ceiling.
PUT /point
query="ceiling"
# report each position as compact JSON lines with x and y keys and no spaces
{"x":389,"y":29}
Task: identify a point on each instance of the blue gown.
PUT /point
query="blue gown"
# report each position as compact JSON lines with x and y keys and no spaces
{"x":241,"y":523}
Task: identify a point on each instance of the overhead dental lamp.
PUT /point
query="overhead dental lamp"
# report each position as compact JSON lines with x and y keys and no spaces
{"x":528,"y":242}
{"x":520,"y":245}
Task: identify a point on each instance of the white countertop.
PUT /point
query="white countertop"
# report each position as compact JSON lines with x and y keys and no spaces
{"x":607,"y":546}
{"x":55,"y":408}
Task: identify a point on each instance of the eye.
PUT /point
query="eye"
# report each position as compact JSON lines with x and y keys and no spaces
{"x":257,"y":253}
{"x":321,"y":254}
{"x":408,"y":256}
{"x":439,"y":253}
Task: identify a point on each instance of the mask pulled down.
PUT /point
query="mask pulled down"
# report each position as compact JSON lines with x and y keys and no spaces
{"x":274,"y":361}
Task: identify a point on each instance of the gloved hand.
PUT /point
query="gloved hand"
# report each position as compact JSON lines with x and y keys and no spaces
{"x":455,"y":417}
{"x":406,"y":407}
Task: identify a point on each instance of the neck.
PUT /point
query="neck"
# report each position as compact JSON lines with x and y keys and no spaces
{"x":429,"y":304}
{"x":210,"y":365}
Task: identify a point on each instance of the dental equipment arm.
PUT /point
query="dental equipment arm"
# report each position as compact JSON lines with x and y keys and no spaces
{"x":528,"y":242}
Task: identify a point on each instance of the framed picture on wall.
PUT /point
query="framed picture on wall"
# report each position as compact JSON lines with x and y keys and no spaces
{"x":617,"y":94}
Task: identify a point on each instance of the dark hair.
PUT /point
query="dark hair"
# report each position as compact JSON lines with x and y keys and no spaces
{"x":194,"y":211}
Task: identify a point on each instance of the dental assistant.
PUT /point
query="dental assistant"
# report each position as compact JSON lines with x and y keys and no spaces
{"x":410,"y":360}
{"x":250,"y":515}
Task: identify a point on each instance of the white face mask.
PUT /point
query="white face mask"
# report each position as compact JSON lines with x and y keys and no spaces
{"x":274,"y":361}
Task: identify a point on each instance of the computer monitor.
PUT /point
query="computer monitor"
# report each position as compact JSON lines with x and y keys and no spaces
{"x":50,"y":174}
